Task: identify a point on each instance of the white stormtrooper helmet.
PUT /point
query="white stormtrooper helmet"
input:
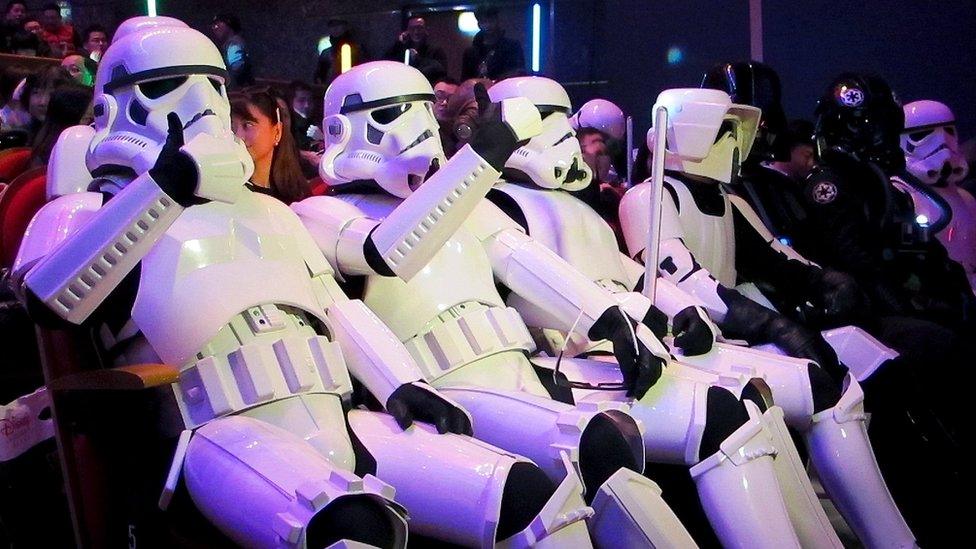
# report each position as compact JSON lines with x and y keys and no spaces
{"x":601,"y":115}
{"x":379,"y":125}
{"x":931,"y":145}
{"x":155,"y":66}
{"x":552,"y":159}
{"x":708,"y":134}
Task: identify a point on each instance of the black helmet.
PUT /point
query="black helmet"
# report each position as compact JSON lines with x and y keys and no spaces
{"x":756,"y":84}
{"x":860,"y":116}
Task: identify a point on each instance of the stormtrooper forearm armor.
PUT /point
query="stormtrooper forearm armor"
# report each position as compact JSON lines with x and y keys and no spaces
{"x":412,"y":233}
{"x":536,"y":273}
{"x":679,"y":267}
{"x":79,"y":274}
{"x":373,"y":354}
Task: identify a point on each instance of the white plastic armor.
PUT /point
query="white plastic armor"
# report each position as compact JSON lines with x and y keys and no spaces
{"x":602,"y":115}
{"x":694,"y":242}
{"x":157,"y":66}
{"x":931,"y":144}
{"x":553,"y":158}
{"x":457,"y":324}
{"x":932,"y":155}
{"x":264,"y":366}
{"x":381,"y":128}
{"x":708,"y":135}
{"x":473,"y":349}
{"x":66,"y":171}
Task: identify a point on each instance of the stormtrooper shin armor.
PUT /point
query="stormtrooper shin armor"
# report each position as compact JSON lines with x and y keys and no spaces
{"x":932,"y":155}
{"x":264,"y":369}
{"x":698,"y":255}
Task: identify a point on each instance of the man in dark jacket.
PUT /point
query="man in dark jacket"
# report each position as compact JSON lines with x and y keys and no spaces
{"x":492,"y":55}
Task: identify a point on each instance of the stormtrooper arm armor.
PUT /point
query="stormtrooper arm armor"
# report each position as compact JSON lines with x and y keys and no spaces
{"x":372,"y":352}
{"x":539,"y":275}
{"x":375,"y":357}
{"x":412,"y":233}
{"x":74,"y":276}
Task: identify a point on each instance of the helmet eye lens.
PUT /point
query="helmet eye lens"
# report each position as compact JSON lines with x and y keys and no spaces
{"x":217,"y":84}
{"x":918,"y":136}
{"x":157,"y":88}
{"x":389,"y":114}
{"x":950,"y":130}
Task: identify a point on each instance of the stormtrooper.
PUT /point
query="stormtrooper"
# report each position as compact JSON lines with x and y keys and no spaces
{"x":932,"y":156}
{"x":271,"y":453}
{"x":478,"y":352}
{"x":831,"y":422}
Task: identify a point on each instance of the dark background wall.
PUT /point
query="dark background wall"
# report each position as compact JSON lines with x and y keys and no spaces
{"x":619,"y":48}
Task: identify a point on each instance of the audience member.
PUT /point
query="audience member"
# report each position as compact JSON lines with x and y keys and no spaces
{"x":329,"y":63}
{"x":461,"y":115}
{"x":37,"y":94}
{"x":25,"y":40}
{"x":226,"y":29}
{"x":603,"y":194}
{"x":13,"y":23}
{"x":444,"y":89}
{"x":60,"y":37}
{"x":799,"y":140}
{"x":69,"y":105}
{"x":428,"y":59}
{"x":300,"y":103}
{"x":492,"y":55}
{"x":260,"y":119}
{"x":94,"y":41}
{"x":80,"y":68}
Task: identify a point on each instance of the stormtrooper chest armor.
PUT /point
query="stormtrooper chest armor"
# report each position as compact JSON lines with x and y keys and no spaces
{"x":572,"y":229}
{"x":450,"y":313}
{"x":706,"y":226}
{"x":226,"y":294}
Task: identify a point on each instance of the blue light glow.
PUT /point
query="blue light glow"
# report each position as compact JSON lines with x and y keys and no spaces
{"x":922,"y":220}
{"x":536,"y":35}
{"x":675,"y":55}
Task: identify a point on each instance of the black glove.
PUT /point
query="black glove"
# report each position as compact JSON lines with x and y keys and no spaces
{"x":756,"y":324}
{"x":657,"y":321}
{"x":692,"y":334}
{"x":174,"y":171}
{"x":640,"y":368}
{"x":417,"y":401}
{"x":840,"y":297}
{"x":493,"y":139}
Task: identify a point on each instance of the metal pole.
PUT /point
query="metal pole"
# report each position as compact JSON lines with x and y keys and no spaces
{"x":657,"y":187}
{"x":630,"y":153}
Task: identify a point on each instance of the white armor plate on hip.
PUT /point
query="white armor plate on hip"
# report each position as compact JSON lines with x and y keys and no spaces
{"x":264,"y":354}
{"x":465,"y":335}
